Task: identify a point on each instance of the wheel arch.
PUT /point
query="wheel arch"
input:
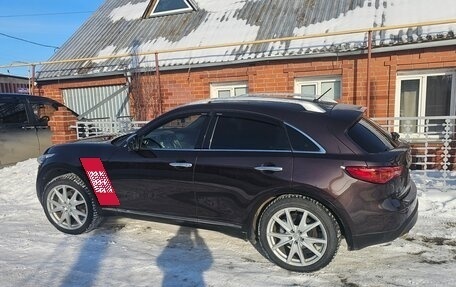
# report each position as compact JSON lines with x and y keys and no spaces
{"x":54,"y":170}
{"x":313,"y":193}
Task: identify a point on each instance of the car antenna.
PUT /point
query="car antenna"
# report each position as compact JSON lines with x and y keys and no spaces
{"x":318,"y":99}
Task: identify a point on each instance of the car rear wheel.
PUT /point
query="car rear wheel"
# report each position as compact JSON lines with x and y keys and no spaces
{"x":298,"y":233}
{"x":70,"y":206}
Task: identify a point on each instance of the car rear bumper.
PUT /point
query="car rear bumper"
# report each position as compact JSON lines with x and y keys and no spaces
{"x":406,"y":219}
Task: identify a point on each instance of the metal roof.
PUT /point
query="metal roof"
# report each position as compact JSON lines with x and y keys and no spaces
{"x":5,"y":76}
{"x":118,"y":28}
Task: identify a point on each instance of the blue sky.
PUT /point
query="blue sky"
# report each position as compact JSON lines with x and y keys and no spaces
{"x":52,"y":30}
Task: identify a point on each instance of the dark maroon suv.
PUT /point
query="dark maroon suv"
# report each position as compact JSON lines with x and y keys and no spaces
{"x":293,"y":176}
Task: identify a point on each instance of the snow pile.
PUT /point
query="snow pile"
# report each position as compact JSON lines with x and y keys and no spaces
{"x":126,"y":252}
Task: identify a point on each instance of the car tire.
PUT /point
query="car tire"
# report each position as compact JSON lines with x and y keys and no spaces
{"x":298,"y":233}
{"x":70,"y":206}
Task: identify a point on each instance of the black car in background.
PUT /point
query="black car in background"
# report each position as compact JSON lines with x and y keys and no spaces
{"x":294,"y":176}
{"x":24,"y":129}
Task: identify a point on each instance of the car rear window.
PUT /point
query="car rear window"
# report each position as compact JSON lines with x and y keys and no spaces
{"x":370,"y":137}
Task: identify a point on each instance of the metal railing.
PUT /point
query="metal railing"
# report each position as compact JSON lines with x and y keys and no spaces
{"x":433,"y":141}
{"x":100,"y":127}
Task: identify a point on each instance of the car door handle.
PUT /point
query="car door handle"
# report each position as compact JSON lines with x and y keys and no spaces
{"x":269,"y":168}
{"x":181,"y":164}
{"x":28,"y":127}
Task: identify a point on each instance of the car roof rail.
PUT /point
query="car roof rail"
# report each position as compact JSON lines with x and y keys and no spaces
{"x":307,"y":103}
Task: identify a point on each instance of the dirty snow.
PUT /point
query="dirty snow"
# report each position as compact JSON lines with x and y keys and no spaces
{"x":127,"y":252}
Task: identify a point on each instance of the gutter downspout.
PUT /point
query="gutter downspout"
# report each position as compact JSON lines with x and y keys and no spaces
{"x":158,"y":108}
{"x":369,"y":56}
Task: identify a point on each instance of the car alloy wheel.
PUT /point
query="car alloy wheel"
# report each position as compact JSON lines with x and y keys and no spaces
{"x":296,"y":236}
{"x":70,"y":206}
{"x":298,"y":233}
{"x":67,"y":207}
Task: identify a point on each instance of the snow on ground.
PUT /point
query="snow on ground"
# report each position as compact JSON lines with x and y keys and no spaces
{"x":127,"y":252}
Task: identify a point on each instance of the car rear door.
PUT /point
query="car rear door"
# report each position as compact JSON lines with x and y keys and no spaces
{"x":245,"y":156}
{"x":18,"y":139}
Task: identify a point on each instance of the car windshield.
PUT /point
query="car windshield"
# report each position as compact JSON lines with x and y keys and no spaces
{"x":118,"y":141}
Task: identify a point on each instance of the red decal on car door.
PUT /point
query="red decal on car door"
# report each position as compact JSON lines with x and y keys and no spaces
{"x":100,"y":182}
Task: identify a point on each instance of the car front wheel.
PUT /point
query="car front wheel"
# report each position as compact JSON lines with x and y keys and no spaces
{"x":298,"y":233}
{"x":70,"y":206}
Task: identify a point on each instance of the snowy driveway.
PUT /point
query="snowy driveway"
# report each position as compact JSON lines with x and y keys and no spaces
{"x":126,"y":252}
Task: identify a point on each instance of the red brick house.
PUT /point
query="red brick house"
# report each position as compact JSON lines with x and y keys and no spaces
{"x":161,"y":53}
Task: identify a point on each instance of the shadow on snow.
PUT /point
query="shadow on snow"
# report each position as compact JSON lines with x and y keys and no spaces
{"x":185,"y":259}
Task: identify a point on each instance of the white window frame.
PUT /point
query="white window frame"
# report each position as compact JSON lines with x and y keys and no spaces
{"x":422,"y":76}
{"x":316,"y":81}
{"x":190,"y":7}
{"x":423,"y":87}
{"x":231,"y":86}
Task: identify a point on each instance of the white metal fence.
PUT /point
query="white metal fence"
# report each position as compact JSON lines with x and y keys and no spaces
{"x":99,"y":127}
{"x":433,"y":141}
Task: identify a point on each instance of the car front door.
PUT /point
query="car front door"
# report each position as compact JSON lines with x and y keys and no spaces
{"x":18,"y":139}
{"x":43,"y":111}
{"x":247,"y":155}
{"x":157,"y":179}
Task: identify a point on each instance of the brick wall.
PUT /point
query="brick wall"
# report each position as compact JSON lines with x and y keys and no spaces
{"x":182,"y":86}
{"x":60,"y":124}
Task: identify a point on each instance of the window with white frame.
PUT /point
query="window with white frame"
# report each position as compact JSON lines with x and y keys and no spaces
{"x":228,"y":89}
{"x":167,"y":7}
{"x":316,"y":86}
{"x":425,"y":94}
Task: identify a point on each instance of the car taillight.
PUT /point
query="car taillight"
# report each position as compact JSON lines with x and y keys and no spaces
{"x":374,"y":174}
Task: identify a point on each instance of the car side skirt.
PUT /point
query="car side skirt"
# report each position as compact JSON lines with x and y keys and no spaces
{"x":223,"y":227}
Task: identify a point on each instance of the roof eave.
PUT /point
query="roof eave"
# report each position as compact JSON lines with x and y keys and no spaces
{"x":375,"y":50}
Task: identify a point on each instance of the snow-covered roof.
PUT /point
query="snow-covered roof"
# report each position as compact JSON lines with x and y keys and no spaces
{"x":118,"y":28}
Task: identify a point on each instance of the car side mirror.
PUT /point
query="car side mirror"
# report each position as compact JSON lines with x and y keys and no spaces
{"x":133,"y":143}
{"x":395,"y":135}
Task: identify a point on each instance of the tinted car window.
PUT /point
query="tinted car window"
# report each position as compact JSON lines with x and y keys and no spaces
{"x":12,"y":112}
{"x":369,"y":137}
{"x":300,"y":142}
{"x":42,"y":111}
{"x":248,"y":134}
{"x":180,"y":133}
